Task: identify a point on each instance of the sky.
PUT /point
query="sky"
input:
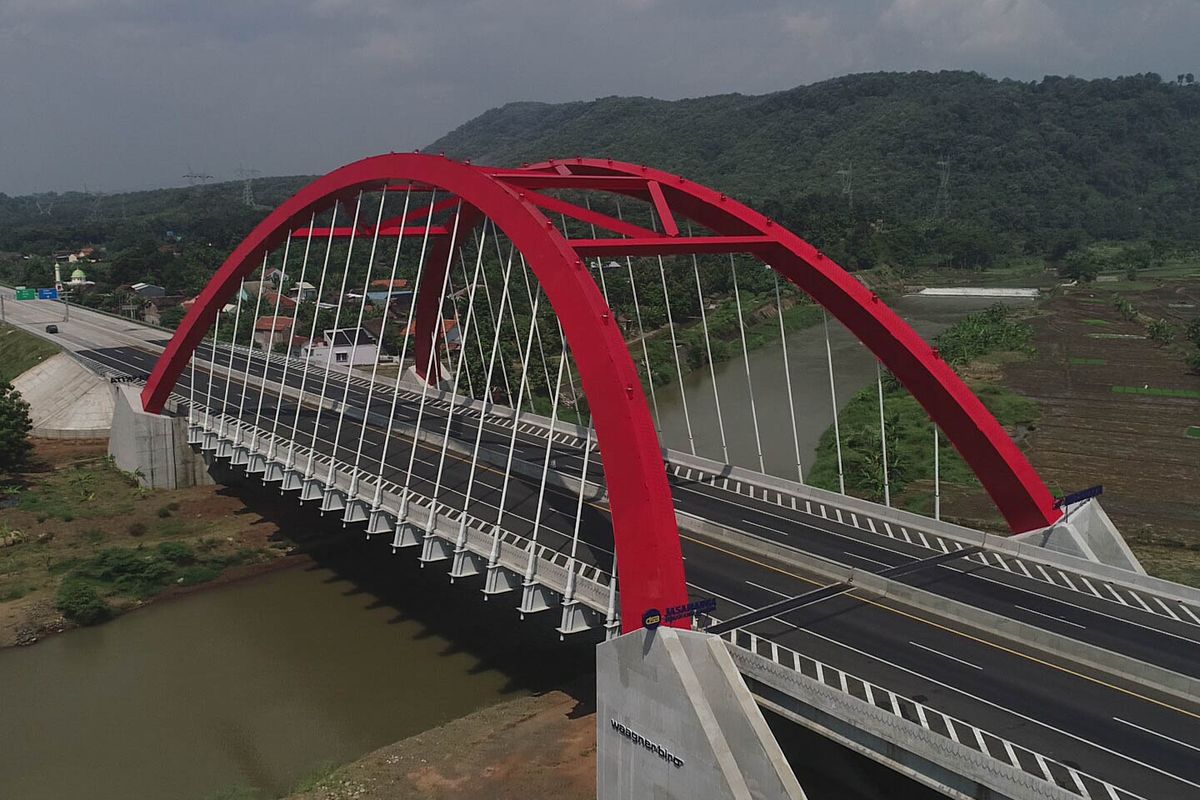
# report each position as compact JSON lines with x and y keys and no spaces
{"x":110,"y":95}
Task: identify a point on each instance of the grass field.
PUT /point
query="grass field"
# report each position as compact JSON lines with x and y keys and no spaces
{"x":20,"y":351}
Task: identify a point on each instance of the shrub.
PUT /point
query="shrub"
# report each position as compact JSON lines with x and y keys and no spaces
{"x":137,"y":529}
{"x":163,"y":512}
{"x":80,"y":603}
{"x":177,"y":552}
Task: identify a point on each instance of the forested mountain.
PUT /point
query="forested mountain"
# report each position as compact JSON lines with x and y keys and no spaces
{"x":1119,"y":159}
{"x":1030,"y":168}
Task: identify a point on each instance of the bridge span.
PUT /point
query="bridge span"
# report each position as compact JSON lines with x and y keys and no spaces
{"x":972,"y":662}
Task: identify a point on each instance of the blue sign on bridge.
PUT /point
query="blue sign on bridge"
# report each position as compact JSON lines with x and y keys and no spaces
{"x":47,"y":294}
{"x":1078,"y":497}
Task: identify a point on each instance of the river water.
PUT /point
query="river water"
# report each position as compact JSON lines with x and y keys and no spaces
{"x":260,"y":682}
{"x":854,"y":368}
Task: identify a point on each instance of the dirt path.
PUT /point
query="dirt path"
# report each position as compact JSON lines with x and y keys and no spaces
{"x":542,"y":746}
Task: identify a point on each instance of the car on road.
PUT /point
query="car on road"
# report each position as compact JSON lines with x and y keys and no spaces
{"x":51,"y":329}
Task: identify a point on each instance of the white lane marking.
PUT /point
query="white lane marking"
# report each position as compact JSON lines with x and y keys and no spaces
{"x":949,"y":723}
{"x":1090,"y":587}
{"x":724,"y":483}
{"x":767,"y":589}
{"x":921,"y":714}
{"x":1012,"y":754}
{"x":823,"y":514}
{"x":1140,"y":601}
{"x":1051,"y":616}
{"x":866,"y":558}
{"x":1166,"y":608}
{"x":1003,"y":564}
{"x":1067,"y":578}
{"x":1041,"y":761}
{"x":793,"y":502}
{"x":1115,"y":594}
{"x":979,"y":739}
{"x":887,"y":527}
{"x":1078,"y":783}
{"x":854,"y":520}
{"x":1003,"y":709}
{"x":945,"y":655}
{"x":1156,"y":733}
{"x":1045,"y":575}
{"x":895,"y":703}
{"x":838,"y":511}
{"x":924,"y":541}
{"x":942,"y":544}
{"x":1188,"y":611}
{"x":907,"y":538}
{"x":778,"y":499}
{"x":764,"y":527}
{"x":871,"y":525}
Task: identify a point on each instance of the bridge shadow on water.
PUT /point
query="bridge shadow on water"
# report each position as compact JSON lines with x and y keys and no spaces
{"x":528,"y":653}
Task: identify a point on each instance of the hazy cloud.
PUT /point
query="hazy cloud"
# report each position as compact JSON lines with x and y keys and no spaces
{"x":132,"y":93}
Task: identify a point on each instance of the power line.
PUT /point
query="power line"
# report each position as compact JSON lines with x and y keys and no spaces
{"x":941,"y":208}
{"x":847,"y":176}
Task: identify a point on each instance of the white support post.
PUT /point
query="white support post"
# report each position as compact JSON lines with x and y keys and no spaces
{"x":887,"y":491}
{"x":787,"y":376}
{"x":287,"y":249}
{"x":212,"y":370}
{"x":837,"y":431}
{"x":737,"y":298}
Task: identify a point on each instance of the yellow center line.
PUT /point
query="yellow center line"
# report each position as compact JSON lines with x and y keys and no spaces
{"x":948,"y":629}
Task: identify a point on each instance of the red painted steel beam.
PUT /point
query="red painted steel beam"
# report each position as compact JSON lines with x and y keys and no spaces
{"x":667,"y":246}
{"x":1014,"y":486}
{"x":384,"y":230}
{"x":586,"y":215}
{"x":663,"y":209}
{"x":646,"y":537}
{"x":602,"y":183}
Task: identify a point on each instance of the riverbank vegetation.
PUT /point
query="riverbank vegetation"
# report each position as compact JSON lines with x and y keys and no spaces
{"x":81,"y":541}
{"x":998,"y":333}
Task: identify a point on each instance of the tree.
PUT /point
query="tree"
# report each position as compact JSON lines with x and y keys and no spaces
{"x":14,"y":429}
{"x":1161,"y":332}
{"x":1079,"y":267}
{"x":1193,"y":332}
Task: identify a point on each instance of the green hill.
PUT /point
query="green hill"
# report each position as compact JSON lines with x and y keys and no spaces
{"x":1119,"y":159}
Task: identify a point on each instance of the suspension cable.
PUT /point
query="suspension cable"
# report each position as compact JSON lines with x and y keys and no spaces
{"x":377,"y":501}
{"x":337,"y":320}
{"x":387,"y":303}
{"x":487,"y":401}
{"x":362,"y":308}
{"x":712,"y":369}
{"x":737,"y":297}
{"x":434,"y":364}
{"x":237,"y":438}
{"x":887,"y":492}
{"x":237,"y":314}
{"x":787,"y":376}
{"x":287,"y":246}
{"x":530,"y":567}
{"x":637,"y":311}
{"x":837,"y":432}
{"x":308,"y":356}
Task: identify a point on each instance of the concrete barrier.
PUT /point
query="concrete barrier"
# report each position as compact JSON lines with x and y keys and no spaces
{"x":1014,"y":631}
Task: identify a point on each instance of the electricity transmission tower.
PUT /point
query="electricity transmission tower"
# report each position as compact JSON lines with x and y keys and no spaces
{"x":942,"y":207}
{"x":45,"y":209}
{"x":847,"y":176}
{"x":194,"y":177}
{"x":247,"y":176}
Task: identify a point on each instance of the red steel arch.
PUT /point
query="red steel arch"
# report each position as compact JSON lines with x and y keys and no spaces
{"x":646,"y":539}
{"x":645,"y":533}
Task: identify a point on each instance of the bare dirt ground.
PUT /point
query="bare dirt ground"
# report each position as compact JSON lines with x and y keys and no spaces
{"x":1134,"y":445}
{"x":542,"y":746}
